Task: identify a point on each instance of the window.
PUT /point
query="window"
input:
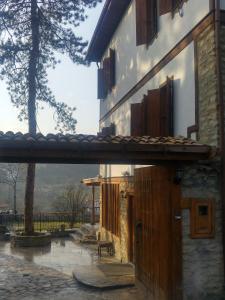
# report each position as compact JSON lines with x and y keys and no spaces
{"x":106,"y":75}
{"x":202,"y":218}
{"x":146,"y":21}
{"x":154,"y":115}
{"x":111,"y":207}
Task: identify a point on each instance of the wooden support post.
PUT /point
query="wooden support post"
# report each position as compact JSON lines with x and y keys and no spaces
{"x":93,"y":205}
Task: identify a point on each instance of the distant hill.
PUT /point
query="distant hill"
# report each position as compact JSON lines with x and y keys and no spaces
{"x":51,"y":180}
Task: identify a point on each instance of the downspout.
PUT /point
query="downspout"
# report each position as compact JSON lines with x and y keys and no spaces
{"x":221,"y":117}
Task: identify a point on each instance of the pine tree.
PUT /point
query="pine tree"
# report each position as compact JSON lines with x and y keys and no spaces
{"x":32,"y":32}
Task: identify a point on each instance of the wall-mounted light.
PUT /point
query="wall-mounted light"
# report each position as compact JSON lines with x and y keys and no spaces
{"x":123,"y":194}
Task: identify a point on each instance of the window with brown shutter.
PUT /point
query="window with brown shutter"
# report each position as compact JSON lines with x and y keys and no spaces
{"x":101,"y":84}
{"x":106,"y":72}
{"x":154,"y":115}
{"x":146,"y":21}
{"x":112,"y":68}
{"x":107,"y":75}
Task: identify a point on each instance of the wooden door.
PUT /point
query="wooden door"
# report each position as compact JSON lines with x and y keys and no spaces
{"x":131,"y":221}
{"x":158,"y":232}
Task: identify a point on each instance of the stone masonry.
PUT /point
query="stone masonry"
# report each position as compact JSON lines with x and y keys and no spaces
{"x":208,"y":117}
{"x":222,"y":43}
{"x":120,"y":242}
{"x":203,"y":276}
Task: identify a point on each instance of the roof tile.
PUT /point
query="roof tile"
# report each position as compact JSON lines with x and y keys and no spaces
{"x":81,"y":138}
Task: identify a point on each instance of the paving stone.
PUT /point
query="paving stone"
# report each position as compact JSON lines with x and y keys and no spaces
{"x":45,"y":283}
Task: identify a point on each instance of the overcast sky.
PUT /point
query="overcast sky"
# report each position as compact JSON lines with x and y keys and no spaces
{"x":75,"y":85}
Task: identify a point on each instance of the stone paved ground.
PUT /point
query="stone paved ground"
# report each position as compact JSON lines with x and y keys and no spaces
{"x":21,"y":280}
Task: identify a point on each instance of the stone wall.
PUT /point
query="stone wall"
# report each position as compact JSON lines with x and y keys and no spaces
{"x":120,"y":242}
{"x":208,"y":117}
{"x":223,"y":59}
{"x":203,"y":276}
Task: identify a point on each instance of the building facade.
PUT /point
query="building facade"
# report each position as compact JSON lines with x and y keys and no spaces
{"x":161,"y":72}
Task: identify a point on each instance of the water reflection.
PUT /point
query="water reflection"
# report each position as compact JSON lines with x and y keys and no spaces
{"x":64,"y":254}
{"x":29,"y":253}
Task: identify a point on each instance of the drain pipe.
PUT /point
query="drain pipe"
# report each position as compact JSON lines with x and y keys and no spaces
{"x":221,"y":116}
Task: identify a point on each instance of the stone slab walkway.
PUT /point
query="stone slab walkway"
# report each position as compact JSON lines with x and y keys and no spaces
{"x":22,"y":280}
{"x":105,"y":276}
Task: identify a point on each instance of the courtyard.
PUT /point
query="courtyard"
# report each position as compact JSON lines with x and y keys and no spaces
{"x":46,"y":273}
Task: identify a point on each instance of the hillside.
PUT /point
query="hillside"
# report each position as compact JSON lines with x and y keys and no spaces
{"x":50,"y":183}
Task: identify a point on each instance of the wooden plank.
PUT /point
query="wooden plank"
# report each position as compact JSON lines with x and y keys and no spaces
{"x":136,"y":120}
{"x":152,"y":113}
{"x":141,"y":22}
{"x":166,"y":109}
{"x":158,"y":251}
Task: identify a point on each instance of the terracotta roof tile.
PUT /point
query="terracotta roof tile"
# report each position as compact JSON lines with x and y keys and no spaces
{"x":81,"y":138}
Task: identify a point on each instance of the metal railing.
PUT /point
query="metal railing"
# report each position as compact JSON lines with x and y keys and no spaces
{"x":50,"y":221}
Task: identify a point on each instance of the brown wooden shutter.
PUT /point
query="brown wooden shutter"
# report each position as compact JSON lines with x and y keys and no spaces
{"x":152,"y":20}
{"x":136,"y":119}
{"x":165,"y":6}
{"x":106,"y":69}
{"x":151,"y":108}
{"x":141,"y":22}
{"x":166,"y":110}
{"x":112,"y":56}
{"x":111,"y":207}
{"x":146,"y":21}
{"x":101,"y":84}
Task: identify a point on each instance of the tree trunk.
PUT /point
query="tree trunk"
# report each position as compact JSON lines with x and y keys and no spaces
{"x":32,"y":76}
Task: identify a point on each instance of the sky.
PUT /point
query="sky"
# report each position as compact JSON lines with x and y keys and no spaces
{"x":70,"y":83}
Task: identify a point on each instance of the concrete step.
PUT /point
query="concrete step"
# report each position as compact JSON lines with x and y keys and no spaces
{"x":105,"y":276}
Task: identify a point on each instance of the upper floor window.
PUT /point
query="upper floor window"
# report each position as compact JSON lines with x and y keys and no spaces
{"x":147,"y":17}
{"x":146,"y":21}
{"x":107,"y":75}
{"x":154,"y":115}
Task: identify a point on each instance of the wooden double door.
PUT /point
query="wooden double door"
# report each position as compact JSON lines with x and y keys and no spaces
{"x":158,"y":251}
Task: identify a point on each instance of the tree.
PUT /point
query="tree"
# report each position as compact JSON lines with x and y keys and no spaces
{"x":73,"y":200}
{"x":12,"y":174}
{"x":31,"y":33}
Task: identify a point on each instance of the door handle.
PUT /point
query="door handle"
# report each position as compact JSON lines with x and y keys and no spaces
{"x":177,"y":217}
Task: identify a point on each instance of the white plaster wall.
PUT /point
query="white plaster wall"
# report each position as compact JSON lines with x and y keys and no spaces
{"x":132,"y":62}
{"x":183,"y":70}
{"x":222,"y":4}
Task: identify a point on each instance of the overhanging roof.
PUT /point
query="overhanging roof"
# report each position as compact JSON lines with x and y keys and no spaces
{"x":96,"y":181}
{"x":110,"y":18}
{"x":91,"y":149}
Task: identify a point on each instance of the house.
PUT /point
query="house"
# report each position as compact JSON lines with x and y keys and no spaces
{"x":161,"y":73}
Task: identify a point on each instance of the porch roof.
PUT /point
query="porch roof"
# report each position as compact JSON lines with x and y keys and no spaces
{"x":92,"y":149}
{"x":96,"y":181}
{"x":110,"y":17}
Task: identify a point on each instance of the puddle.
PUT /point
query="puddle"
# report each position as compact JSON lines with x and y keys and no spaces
{"x":64,"y":254}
